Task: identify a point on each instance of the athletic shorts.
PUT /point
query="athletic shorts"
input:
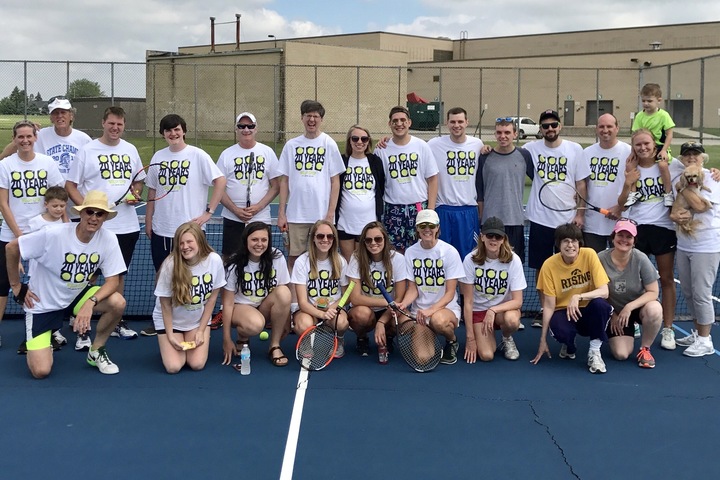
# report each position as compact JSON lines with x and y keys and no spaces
{"x":629,"y":330}
{"x":541,"y":245}
{"x":160,"y":248}
{"x":127,"y":243}
{"x":654,"y":240}
{"x":516,"y":237}
{"x":347,"y":236}
{"x":162,"y":331}
{"x":232,"y":232}
{"x":4,"y":280}
{"x":458,"y":227}
{"x":399,"y":221}
{"x":479,"y":317}
{"x":595,"y":241}
{"x":298,"y":234}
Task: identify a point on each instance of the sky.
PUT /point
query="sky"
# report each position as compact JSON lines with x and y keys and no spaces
{"x":101,"y":30}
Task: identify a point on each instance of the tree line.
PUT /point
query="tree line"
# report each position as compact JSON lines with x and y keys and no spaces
{"x":14,"y":104}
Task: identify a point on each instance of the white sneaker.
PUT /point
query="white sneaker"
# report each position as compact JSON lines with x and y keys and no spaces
{"x":59,"y":338}
{"x":700,"y":348}
{"x":121,"y":330}
{"x":521,"y":326}
{"x":99,"y":358}
{"x":564,"y":352}
{"x":509,"y":349}
{"x":83,"y":342}
{"x":632,"y":199}
{"x":340,"y":352}
{"x":687,"y":341}
{"x":668,"y":338}
{"x":595,"y":362}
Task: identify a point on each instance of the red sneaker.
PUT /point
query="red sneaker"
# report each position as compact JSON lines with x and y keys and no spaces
{"x":216,"y":321}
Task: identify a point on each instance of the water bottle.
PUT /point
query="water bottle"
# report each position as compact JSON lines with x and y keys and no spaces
{"x":285,"y":239}
{"x":383,"y":354}
{"x":245,"y":360}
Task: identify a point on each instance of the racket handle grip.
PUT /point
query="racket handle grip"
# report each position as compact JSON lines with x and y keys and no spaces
{"x":604,"y":211}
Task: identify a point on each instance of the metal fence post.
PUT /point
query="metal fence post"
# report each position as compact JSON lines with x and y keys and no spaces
{"x":702,"y":98}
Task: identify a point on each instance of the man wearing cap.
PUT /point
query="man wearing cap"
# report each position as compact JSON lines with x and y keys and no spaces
{"x":192,"y":172}
{"x":67,"y":256}
{"x":436,"y":268}
{"x":553,"y":159}
{"x":251,"y":168}
{"x":606,"y":159}
{"x":310,"y":168}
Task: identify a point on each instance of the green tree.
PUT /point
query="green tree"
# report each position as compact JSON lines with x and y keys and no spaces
{"x":13,"y":104}
{"x":83,"y":88}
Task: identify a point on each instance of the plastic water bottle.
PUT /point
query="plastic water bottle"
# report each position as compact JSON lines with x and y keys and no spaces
{"x":245,"y":360}
{"x":285,"y":239}
{"x":383,"y":354}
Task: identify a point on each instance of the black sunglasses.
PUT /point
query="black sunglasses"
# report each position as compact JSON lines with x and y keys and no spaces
{"x":363,"y":139}
{"x":626,"y":219}
{"x":369,"y":240}
{"x":494,"y":236}
{"x":95,"y":213}
{"x":550,"y":125}
{"x":250,"y":126}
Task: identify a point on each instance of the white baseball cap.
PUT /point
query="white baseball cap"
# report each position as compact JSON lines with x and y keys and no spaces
{"x":248,"y":115}
{"x":61,"y":103}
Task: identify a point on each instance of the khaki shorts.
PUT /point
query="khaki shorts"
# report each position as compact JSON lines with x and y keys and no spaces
{"x":298,"y":235}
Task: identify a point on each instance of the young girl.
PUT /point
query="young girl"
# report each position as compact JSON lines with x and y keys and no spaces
{"x":319,"y":280}
{"x":256,"y":292}
{"x":374,"y":262}
{"x":492,"y":293}
{"x":187,"y":288}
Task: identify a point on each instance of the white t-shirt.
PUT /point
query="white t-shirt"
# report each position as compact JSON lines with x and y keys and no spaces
{"x":309,"y":164}
{"x":234,"y":163}
{"x":457,"y":166}
{"x":37,"y":223}
{"x":26,"y":183}
{"x":607,"y":177}
{"x":493,"y":281}
{"x":252,"y":286}
{"x":109,"y":169}
{"x":192,"y":171}
{"x":378,"y":274}
{"x":707,"y":234}
{"x":64,"y":263}
{"x":358,"y":192}
{"x":407,"y":168}
{"x":650,"y":209}
{"x":564,"y":163}
{"x":429,"y":269}
{"x":208,"y":275}
{"x":62,"y":149}
{"x":323,"y":287}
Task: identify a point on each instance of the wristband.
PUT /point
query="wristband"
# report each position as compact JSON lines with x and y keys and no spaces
{"x":20,"y":297}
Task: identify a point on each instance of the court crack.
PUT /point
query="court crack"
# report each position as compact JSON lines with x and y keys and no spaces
{"x":552,"y":438}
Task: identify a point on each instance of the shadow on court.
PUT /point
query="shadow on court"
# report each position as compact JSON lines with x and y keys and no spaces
{"x":360,"y":419}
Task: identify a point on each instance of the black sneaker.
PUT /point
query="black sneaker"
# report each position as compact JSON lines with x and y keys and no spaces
{"x":55,"y":343}
{"x":363,"y":346}
{"x":537,"y":320}
{"x":22,"y":349}
{"x":390,"y":343}
{"x":450,"y":353}
{"x":148,"y":331}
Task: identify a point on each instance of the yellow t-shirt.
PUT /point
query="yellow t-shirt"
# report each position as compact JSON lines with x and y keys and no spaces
{"x":562,"y":281}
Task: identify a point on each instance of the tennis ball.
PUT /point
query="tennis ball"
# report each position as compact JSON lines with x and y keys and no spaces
{"x":264,"y":335}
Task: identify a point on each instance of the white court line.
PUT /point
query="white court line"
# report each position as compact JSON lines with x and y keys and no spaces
{"x":288,"y":464}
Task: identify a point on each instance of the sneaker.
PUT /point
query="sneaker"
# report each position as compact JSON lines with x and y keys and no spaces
{"x":55,"y":344}
{"x":632,"y":199}
{"x":645,"y":358}
{"x":121,"y":330}
{"x":59,"y":338}
{"x":449,"y":355}
{"x":148,"y":331}
{"x":22,"y":349}
{"x":668,"y":338}
{"x":537,"y":320}
{"x":668,"y":199}
{"x":637,"y":332}
{"x":522,"y":326}
{"x":216,"y":321}
{"x":363,"y":346}
{"x":564,"y":353}
{"x":99,"y":358}
{"x":83,"y":342}
{"x":595,"y":362}
{"x":509,"y":349}
{"x":340,"y":352}
{"x":687,"y":341}
{"x":700,"y":348}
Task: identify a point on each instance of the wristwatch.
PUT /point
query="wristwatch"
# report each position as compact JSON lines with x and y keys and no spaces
{"x":210,"y":211}
{"x":93,"y":299}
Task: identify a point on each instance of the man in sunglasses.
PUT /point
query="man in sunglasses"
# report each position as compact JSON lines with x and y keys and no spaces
{"x":67,"y":256}
{"x":606,"y":159}
{"x":554,"y":159}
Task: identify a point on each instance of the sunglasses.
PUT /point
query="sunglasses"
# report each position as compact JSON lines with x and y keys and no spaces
{"x":250,"y":126}
{"x":503,"y":119}
{"x":625,"y":219}
{"x":363,"y":139}
{"x":324,"y":236}
{"x":494,"y":236}
{"x":95,"y":213}
{"x":423,"y":226}
{"x":550,"y":125}
{"x":371,"y":240}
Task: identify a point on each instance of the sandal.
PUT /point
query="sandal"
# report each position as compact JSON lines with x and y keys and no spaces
{"x":277,"y":361}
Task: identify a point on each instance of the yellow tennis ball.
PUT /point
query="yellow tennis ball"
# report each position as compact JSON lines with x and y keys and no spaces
{"x":264,"y":335}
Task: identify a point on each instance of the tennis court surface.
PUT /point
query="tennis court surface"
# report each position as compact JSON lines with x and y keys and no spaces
{"x":359,"y":419}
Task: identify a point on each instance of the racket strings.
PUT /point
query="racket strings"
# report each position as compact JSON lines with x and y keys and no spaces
{"x":418,"y":345}
{"x":316,"y":348}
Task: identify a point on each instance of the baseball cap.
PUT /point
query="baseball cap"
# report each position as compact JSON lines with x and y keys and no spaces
{"x":493,"y":225}
{"x":427,"y":216}
{"x":691,"y":147}
{"x":549,"y":114}
{"x":62,"y":103}
{"x":625,"y":225}
{"x":248,"y":115}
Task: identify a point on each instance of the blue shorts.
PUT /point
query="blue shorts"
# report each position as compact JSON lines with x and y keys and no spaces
{"x":458,"y":226}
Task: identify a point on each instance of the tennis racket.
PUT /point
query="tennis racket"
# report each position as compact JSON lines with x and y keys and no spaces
{"x":251,"y":165}
{"x":163,"y":178}
{"x":317,"y":345}
{"x":563,"y":197}
{"x":418,"y":344}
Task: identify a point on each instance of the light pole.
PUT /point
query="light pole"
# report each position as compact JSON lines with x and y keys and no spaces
{"x":274,"y":38}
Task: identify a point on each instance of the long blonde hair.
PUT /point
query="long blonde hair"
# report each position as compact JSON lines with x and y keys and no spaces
{"x":363,"y":256}
{"x":333,"y":254}
{"x":181,"y":275}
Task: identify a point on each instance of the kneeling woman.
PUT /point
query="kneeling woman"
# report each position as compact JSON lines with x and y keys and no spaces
{"x":319,"y":280}
{"x":492,"y":293}
{"x":187,"y":288}
{"x":256,"y":292}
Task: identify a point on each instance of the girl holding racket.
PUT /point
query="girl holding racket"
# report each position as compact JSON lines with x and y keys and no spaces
{"x":319,"y":280}
{"x":256,"y":293}
{"x":188,"y":284}
{"x":492,"y":294}
{"x":374,"y":262}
